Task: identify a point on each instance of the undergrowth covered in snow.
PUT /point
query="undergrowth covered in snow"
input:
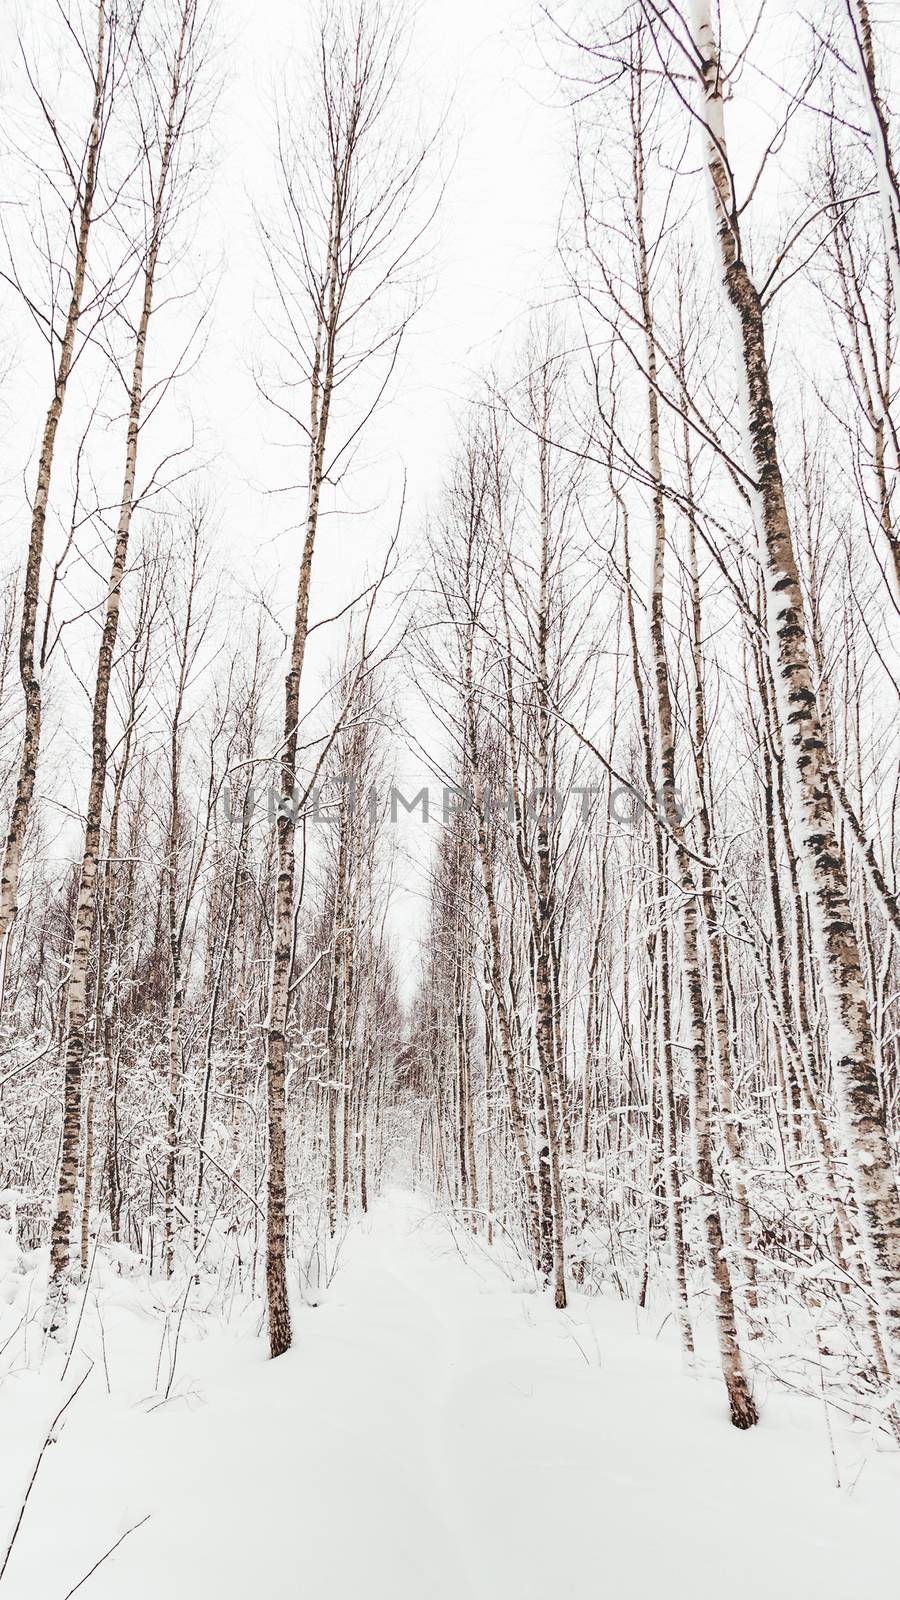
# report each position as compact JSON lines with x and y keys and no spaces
{"x":437,"y":1429}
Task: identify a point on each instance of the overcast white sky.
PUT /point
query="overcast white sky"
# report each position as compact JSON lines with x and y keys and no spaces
{"x":492,"y":258}
{"x":492,"y":253}
{"x":506,"y":155}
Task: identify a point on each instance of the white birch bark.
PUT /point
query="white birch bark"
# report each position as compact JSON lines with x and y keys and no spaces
{"x":663,"y":1009}
{"x":28,"y":668}
{"x":743,"y":1410}
{"x":76,"y":982}
{"x":805,"y":754}
{"x":885,"y":165}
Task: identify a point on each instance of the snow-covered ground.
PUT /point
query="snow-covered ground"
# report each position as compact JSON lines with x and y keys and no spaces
{"x":436,"y":1433}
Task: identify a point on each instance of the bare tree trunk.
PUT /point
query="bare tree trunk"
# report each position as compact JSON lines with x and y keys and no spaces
{"x":231,"y":916}
{"x":76,"y":984}
{"x":743,"y":1410}
{"x":495,"y":962}
{"x":28,"y":668}
{"x":714,"y":937}
{"x":333,"y":1061}
{"x":805,"y":752}
{"x":885,"y":166}
{"x":671,"y":1176}
{"x":88,"y":1172}
{"x":364,"y":1139}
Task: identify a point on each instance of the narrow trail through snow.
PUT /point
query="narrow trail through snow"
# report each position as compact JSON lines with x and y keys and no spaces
{"x":435,"y":1434}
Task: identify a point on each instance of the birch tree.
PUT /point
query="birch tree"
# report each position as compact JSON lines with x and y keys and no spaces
{"x":807,"y":757}
{"x":881,"y":134}
{"x":338,"y":264}
{"x":60,"y":326}
{"x":169,"y":67}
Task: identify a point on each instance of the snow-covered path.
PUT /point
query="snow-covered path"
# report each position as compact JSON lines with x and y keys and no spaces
{"x":436,"y":1435}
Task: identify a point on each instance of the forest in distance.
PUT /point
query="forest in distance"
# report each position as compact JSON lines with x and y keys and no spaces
{"x":468,"y":853}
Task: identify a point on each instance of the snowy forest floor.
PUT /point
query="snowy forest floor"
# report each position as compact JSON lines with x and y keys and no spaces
{"x":436,"y":1432}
